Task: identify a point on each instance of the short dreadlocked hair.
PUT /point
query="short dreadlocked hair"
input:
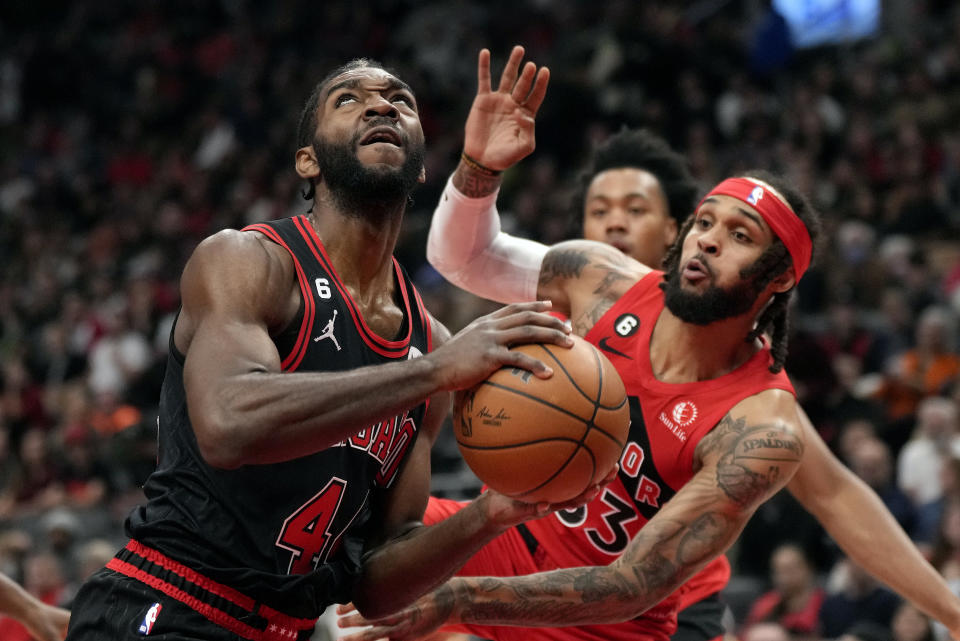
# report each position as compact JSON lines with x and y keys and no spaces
{"x":773,"y":262}
{"x":307,"y":127}
{"x":638,"y":149}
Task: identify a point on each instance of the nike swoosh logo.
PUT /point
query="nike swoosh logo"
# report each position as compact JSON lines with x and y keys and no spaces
{"x":602,"y":344}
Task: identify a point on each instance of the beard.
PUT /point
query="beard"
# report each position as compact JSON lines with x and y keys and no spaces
{"x":714,"y":304}
{"x":367,"y":192}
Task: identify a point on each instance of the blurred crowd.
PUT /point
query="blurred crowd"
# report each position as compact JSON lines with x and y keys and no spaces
{"x":129,"y":131}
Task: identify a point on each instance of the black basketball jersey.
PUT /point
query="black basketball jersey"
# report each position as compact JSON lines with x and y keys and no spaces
{"x":288,"y":534}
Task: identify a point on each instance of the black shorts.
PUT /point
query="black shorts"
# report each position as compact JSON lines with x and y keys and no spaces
{"x":135,"y":599}
{"x":701,"y":621}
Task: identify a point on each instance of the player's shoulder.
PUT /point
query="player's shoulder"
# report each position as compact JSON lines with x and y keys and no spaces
{"x":241,"y":253}
{"x":775,"y":409}
{"x":769,"y":420}
{"x":237,"y":266}
{"x":756,"y":447}
{"x":591,"y":251}
{"x":229,"y":243}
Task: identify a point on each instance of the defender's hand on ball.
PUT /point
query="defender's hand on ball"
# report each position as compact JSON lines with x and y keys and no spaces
{"x":483,"y":346}
{"x":507,"y":512}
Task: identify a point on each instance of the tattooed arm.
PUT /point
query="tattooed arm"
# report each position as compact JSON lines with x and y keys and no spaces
{"x":585,"y":278}
{"x":748,"y":457}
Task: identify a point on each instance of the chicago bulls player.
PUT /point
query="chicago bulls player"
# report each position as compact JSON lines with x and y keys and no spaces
{"x":304,"y":385}
{"x":715,"y":426}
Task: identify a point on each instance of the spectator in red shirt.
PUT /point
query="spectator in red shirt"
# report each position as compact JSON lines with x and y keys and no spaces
{"x":795,"y":600}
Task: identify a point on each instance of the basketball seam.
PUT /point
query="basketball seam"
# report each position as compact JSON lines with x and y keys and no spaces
{"x":560,"y":468}
{"x":562,"y":410}
{"x":556,"y":473}
{"x":589,"y":424}
{"x":564,"y":439}
{"x":570,"y":378}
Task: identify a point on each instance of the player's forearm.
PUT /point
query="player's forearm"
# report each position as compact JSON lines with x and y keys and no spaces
{"x":265,"y":417}
{"x":466,"y":244}
{"x":15,"y":601}
{"x":663,"y":555}
{"x":866,"y":531}
{"x":577,"y":596}
{"x":400,"y":571}
{"x":474,"y":183}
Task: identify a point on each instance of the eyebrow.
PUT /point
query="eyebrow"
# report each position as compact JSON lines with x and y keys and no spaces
{"x":629,"y":196}
{"x":758,"y":221}
{"x":353,"y":83}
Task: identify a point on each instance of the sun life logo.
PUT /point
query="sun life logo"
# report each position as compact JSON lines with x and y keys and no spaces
{"x":755,"y":195}
{"x":684,"y":413}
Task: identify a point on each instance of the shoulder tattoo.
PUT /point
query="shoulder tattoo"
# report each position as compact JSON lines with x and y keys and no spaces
{"x":562,"y":263}
{"x":752,"y":458}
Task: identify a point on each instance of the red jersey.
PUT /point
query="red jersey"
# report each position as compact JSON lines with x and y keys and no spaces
{"x":667,"y":422}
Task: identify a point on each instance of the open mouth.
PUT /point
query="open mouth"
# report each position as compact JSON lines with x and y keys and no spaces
{"x":622,"y":246}
{"x":382,"y":134}
{"x":695,"y":270}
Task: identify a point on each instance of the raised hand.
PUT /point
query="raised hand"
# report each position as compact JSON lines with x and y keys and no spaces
{"x":500,"y":127}
{"x":483,"y":346}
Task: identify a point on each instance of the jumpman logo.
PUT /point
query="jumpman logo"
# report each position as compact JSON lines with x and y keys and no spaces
{"x":328,"y":332}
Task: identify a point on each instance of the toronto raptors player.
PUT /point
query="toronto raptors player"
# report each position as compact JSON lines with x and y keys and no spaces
{"x":715,"y":429}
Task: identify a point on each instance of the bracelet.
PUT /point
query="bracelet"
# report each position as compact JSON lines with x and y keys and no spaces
{"x":474,"y":165}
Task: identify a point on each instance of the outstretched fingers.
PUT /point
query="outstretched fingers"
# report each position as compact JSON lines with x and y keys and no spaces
{"x":522,"y":89}
{"x":535,"y":99}
{"x":483,"y":72}
{"x":511,"y":70}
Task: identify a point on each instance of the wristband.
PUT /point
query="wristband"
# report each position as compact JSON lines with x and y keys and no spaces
{"x":474,"y":165}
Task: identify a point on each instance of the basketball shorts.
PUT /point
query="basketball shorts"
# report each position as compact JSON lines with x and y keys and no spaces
{"x":134,"y":598}
{"x":700,"y":621}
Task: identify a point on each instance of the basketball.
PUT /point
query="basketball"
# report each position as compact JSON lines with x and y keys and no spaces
{"x":549,"y":439}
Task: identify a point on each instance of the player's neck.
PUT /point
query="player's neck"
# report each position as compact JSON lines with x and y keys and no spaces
{"x":682,"y":352}
{"x":360,"y":249}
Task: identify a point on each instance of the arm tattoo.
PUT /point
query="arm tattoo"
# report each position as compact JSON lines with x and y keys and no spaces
{"x":751,"y":457}
{"x":445,"y":600}
{"x":662,"y":554}
{"x":474,"y":184}
{"x":698,"y":543}
{"x":609,"y":279}
{"x":589,"y":318}
{"x":654,"y":571}
{"x":596,"y":585}
{"x":564,"y":263}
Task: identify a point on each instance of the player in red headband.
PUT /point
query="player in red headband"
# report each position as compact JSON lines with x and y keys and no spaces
{"x":715,"y":426}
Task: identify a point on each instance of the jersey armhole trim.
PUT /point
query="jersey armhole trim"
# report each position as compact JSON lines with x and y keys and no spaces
{"x":293,"y":359}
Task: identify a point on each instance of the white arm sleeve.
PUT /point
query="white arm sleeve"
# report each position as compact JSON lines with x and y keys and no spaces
{"x":466,"y":246}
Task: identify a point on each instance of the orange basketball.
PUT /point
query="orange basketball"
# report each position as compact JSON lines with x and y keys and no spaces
{"x":545,"y":439}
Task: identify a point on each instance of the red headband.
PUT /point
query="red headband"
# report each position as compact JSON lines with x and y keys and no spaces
{"x":785,"y":224}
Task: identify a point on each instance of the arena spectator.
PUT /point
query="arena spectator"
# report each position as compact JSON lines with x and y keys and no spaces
{"x":871,"y":461}
{"x":795,"y":600}
{"x":857,"y":597}
{"x":920,"y":461}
